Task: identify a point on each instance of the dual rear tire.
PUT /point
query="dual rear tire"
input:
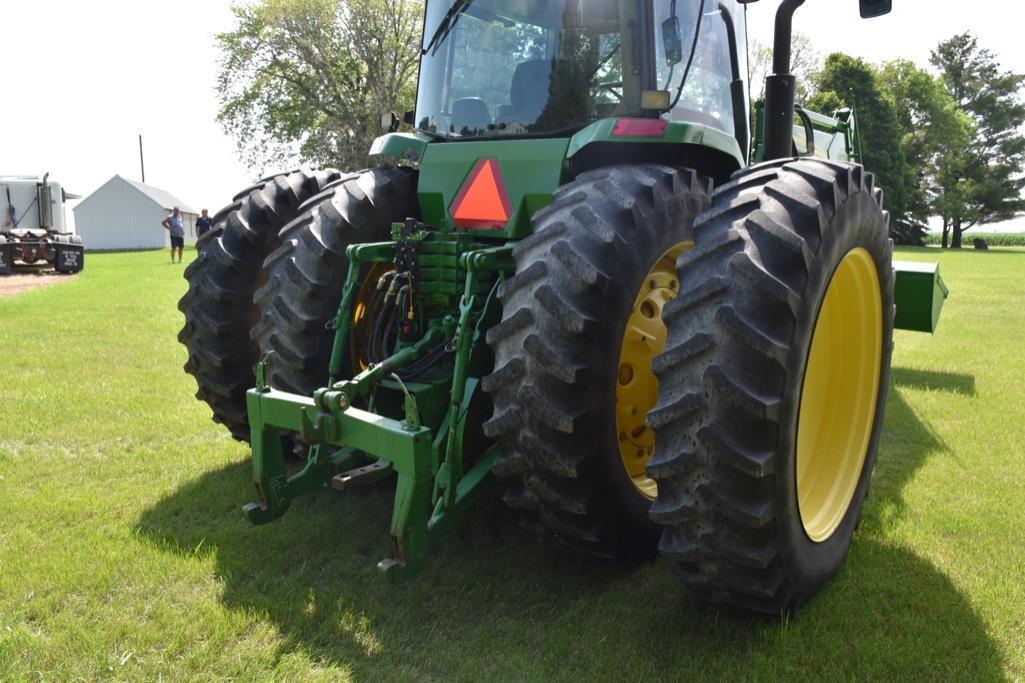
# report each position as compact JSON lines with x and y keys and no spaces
{"x":773,"y":351}
{"x":218,"y":307}
{"x":268,"y":277}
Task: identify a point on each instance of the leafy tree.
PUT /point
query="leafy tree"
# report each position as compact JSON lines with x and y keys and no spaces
{"x":308,"y":79}
{"x":984,"y":184}
{"x":934,"y":134}
{"x":854,"y":83}
{"x":805,"y":64}
{"x":825,"y":102}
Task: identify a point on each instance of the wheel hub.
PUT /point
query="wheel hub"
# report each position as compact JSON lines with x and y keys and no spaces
{"x":636,"y":384}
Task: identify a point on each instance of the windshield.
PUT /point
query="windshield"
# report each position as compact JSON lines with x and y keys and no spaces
{"x":494,"y":68}
{"x":526,"y":67}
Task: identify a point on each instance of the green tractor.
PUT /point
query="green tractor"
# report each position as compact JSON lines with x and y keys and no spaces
{"x":569,"y":279}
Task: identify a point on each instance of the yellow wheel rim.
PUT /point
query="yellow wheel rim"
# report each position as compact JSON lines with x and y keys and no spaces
{"x":359,"y":313}
{"x":636,"y":384}
{"x":838,"y":399}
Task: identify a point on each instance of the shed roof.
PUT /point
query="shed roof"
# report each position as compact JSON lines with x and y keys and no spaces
{"x":162,"y":197}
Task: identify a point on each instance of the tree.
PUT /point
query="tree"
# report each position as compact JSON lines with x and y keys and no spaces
{"x":854,"y":83}
{"x":825,"y":102}
{"x":934,"y":133}
{"x":805,"y":63}
{"x":309,"y":79}
{"x":986,"y":182}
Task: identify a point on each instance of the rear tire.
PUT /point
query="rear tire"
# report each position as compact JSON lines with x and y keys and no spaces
{"x":730,"y":453}
{"x":558,"y":347}
{"x":227,"y":271}
{"x":307,"y":272}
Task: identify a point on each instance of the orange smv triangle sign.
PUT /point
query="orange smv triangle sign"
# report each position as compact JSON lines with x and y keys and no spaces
{"x":482,"y":203}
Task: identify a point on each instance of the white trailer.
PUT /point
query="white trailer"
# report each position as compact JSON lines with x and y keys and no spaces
{"x":33,"y":229}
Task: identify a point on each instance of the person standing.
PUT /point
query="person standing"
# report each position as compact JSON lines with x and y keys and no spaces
{"x":174,"y":225}
{"x":203,"y":224}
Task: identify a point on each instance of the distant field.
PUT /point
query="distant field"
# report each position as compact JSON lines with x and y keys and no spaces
{"x":993,"y":239}
{"x":124,"y":555}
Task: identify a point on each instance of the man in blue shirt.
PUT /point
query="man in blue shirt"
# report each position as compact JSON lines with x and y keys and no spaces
{"x":174,"y":225}
{"x":203,"y":224}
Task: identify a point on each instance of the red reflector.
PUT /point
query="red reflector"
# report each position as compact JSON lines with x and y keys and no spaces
{"x":482,"y":202}
{"x":639,"y":128}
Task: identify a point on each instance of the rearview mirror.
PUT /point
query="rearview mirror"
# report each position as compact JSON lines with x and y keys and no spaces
{"x":875,"y":8}
{"x":671,"y":41}
{"x":390,"y":122}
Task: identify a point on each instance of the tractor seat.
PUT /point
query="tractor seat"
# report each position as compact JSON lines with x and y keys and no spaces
{"x":529,"y":92}
{"x":470,"y":115}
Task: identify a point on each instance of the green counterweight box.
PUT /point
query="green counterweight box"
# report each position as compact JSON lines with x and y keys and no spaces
{"x":919,"y":293}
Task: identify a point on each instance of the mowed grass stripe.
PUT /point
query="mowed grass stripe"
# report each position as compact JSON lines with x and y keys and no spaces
{"x":123,"y":552}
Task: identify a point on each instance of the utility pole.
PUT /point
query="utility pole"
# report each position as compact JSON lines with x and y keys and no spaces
{"x":142,"y":160}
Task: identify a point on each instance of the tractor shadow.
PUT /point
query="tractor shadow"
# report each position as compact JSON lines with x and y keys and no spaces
{"x":497,"y":604}
{"x":931,"y":380}
{"x":908,"y":441}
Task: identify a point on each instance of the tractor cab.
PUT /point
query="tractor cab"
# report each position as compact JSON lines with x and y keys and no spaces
{"x":515,"y":68}
{"x":542,"y":92}
{"x":546,"y":91}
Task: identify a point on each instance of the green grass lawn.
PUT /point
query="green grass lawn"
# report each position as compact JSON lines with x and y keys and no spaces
{"x":123,"y":552}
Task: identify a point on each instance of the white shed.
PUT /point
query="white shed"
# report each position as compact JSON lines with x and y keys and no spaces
{"x":126,"y":214}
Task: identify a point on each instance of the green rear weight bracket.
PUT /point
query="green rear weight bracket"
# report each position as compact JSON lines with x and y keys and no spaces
{"x":919,"y":294}
{"x":433,"y":485}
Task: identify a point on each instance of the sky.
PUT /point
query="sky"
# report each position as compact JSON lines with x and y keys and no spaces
{"x":82,"y":80}
{"x":910,"y":31}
